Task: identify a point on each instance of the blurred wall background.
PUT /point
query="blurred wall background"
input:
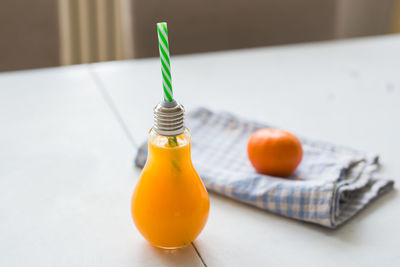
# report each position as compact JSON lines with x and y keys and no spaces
{"x":45,"y":33}
{"x":28,"y":34}
{"x":94,"y":30}
{"x":208,"y":25}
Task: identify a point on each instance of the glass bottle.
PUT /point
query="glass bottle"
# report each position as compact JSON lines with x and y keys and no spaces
{"x":170,"y":204}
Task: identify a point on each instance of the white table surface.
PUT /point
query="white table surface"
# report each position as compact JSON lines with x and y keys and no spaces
{"x":69,"y":135}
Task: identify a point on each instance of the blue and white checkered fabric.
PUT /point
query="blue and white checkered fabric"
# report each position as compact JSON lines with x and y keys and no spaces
{"x":330,"y":186}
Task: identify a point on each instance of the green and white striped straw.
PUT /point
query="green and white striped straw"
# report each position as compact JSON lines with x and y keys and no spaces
{"x":165,"y":61}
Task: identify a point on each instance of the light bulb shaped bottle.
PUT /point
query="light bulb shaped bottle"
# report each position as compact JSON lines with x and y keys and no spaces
{"x":170,"y":204}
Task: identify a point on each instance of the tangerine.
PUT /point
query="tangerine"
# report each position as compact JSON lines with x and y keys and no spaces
{"x":274,"y":152}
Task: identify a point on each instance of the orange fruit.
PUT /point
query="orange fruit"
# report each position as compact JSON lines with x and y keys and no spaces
{"x":274,"y":152}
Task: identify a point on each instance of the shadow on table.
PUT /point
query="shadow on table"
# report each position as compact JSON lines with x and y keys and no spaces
{"x":173,"y":257}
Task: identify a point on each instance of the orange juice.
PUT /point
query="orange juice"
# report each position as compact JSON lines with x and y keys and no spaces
{"x":170,"y":204}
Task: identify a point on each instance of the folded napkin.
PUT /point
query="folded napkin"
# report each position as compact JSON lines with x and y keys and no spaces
{"x":330,"y":186}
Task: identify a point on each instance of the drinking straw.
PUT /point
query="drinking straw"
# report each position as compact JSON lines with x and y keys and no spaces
{"x":165,"y":60}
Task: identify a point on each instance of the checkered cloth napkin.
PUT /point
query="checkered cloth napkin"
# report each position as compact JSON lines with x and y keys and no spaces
{"x":330,"y":186}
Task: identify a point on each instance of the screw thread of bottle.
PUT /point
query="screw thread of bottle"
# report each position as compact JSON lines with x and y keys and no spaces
{"x":169,"y":118}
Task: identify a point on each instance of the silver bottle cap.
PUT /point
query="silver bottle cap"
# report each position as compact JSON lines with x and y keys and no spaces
{"x":169,"y":118}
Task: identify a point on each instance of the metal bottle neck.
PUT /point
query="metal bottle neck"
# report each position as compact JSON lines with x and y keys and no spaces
{"x":169,"y":118}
